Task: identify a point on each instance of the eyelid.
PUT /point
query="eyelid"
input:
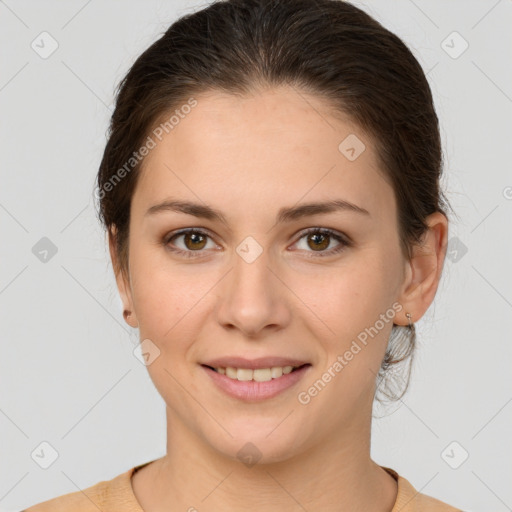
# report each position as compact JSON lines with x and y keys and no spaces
{"x":342,"y":238}
{"x":184,"y":231}
{"x":324,"y":230}
{"x":344,"y":241}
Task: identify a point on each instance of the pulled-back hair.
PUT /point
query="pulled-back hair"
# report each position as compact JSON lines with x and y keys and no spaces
{"x":328,"y":48}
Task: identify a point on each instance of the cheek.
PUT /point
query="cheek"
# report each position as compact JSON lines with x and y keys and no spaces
{"x":351,"y":297}
{"x":356,"y":303}
{"x":168,"y":305}
{"x":164,"y":305}
{"x":169,"y":298}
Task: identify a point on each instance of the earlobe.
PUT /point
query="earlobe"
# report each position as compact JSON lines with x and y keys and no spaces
{"x":127,"y":315}
{"x":425,"y":268}
{"x":123,"y":285}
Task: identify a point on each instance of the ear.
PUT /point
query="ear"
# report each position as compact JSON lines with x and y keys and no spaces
{"x":423,"y":271}
{"x":123,"y":284}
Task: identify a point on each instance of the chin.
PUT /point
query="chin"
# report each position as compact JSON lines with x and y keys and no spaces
{"x":261,"y":443}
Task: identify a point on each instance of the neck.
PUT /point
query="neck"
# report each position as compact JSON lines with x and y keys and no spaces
{"x":336,"y":475}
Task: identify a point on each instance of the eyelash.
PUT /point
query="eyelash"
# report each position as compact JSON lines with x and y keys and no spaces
{"x":344,"y":241}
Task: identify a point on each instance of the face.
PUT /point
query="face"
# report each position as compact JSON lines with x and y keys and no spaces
{"x":310,"y":287}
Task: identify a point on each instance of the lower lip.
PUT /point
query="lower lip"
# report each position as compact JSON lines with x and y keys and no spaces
{"x":253,"y":391}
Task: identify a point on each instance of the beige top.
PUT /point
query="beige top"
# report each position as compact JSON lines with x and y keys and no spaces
{"x":117,"y":495}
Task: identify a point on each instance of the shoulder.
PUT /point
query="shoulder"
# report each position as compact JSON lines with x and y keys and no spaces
{"x":108,"y":495}
{"x":410,"y":500}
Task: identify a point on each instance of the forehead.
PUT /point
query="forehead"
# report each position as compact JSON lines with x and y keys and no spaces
{"x":274,"y":146}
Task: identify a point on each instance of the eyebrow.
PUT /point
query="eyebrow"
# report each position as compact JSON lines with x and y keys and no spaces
{"x":286,"y":214}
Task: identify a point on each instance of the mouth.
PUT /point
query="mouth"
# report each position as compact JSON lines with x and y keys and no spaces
{"x":255,"y":384}
{"x":256,"y":374}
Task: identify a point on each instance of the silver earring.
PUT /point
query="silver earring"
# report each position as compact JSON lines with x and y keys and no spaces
{"x":409,"y":316}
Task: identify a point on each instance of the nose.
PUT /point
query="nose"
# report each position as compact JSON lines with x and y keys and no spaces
{"x":253,"y":298}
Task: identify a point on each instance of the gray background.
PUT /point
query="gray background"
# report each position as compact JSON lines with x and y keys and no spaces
{"x":68,"y":373}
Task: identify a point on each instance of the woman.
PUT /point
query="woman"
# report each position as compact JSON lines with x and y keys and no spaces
{"x":270,"y":188}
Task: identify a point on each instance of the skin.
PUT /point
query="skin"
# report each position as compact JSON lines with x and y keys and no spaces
{"x":248,"y":157}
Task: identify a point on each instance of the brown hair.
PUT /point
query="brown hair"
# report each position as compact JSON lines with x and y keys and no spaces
{"x":329,"y":48}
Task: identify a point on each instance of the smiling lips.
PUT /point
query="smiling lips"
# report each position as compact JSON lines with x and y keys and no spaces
{"x":258,"y":375}
{"x":260,"y":370}
{"x":260,"y":362}
{"x":255,"y":379}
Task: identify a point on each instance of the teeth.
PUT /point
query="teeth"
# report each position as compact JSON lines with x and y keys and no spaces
{"x":276,"y":372}
{"x":258,"y":375}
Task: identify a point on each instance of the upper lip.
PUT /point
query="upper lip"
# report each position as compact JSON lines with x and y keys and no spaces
{"x":253,"y":364}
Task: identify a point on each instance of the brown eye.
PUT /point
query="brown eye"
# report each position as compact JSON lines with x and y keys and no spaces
{"x":187,"y":242}
{"x":194,"y":240}
{"x":318,"y":240}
